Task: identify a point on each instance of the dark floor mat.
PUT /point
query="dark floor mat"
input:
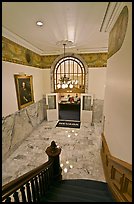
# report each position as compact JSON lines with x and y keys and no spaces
{"x":69,"y":124}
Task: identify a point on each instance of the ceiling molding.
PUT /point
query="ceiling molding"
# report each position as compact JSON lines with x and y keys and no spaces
{"x":76,"y":18}
{"x":93,"y":50}
{"x":15,"y":38}
{"x":81,"y":51}
{"x":111,"y":14}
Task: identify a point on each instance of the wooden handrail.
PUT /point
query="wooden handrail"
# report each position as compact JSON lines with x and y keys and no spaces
{"x":14,"y":185}
{"x":118,"y":174}
{"x":117,"y":161}
{"x":121,"y":163}
{"x":46,"y":172}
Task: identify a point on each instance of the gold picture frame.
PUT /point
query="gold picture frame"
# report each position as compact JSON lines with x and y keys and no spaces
{"x":24,"y":90}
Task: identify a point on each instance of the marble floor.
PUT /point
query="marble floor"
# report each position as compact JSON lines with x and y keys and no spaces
{"x":79,"y":158}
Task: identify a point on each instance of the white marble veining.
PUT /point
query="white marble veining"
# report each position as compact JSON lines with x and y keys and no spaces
{"x":98,"y":110}
{"x":17,"y":126}
{"x":79,"y":158}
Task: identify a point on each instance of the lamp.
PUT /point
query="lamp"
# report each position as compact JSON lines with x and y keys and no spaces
{"x":64,"y":81}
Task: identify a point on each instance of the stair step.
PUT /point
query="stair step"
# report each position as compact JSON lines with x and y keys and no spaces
{"x":60,"y":197}
{"x":97,"y":185}
{"x":80,"y":194}
{"x":81,"y":189}
{"x":77,"y":190}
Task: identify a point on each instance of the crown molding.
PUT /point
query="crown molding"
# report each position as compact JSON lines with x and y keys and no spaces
{"x":81,"y":51}
{"x":93,"y":50}
{"x":112,"y":12}
{"x":17,"y":39}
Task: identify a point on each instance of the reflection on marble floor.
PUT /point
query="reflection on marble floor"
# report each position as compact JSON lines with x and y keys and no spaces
{"x":79,"y":158}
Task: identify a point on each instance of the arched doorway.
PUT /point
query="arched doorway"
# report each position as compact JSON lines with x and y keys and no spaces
{"x":69,"y":77}
{"x":74,"y":68}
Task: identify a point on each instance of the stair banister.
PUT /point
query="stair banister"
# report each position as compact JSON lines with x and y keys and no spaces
{"x":53,"y":153}
{"x":39,"y":178}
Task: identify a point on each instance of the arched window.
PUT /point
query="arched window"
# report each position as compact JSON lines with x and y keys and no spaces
{"x":69,"y":75}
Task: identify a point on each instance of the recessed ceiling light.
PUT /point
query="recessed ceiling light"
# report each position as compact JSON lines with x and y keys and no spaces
{"x":39,"y":23}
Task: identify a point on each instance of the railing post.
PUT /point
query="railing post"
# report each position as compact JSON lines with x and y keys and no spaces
{"x":53,"y":152}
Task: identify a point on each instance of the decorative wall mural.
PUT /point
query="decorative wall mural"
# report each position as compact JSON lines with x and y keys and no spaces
{"x":118,"y":32}
{"x":15,"y":53}
{"x":28,"y":56}
{"x":95,"y":59}
{"x":24,"y":90}
{"x":48,"y":60}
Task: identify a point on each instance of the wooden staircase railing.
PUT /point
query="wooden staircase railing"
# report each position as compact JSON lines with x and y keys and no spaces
{"x":118,"y":174}
{"x":31,"y":186}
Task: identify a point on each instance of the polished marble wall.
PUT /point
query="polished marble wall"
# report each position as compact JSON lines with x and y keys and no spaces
{"x":17,"y":126}
{"x":97,"y":110}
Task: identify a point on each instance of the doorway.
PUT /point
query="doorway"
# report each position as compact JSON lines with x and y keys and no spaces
{"x":69,"y":111}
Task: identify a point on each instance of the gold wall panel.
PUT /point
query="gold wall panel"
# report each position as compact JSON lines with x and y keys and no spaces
{"x":48,"y":60}
{"x":118,"y":32}
{"x":13,"y":52}
{"x":95,"y":59}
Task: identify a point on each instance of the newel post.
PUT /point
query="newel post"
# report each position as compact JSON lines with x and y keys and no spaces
{"x":53,"y":152}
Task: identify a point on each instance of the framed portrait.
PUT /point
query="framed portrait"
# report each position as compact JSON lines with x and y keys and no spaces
{"x":24,"y":90}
